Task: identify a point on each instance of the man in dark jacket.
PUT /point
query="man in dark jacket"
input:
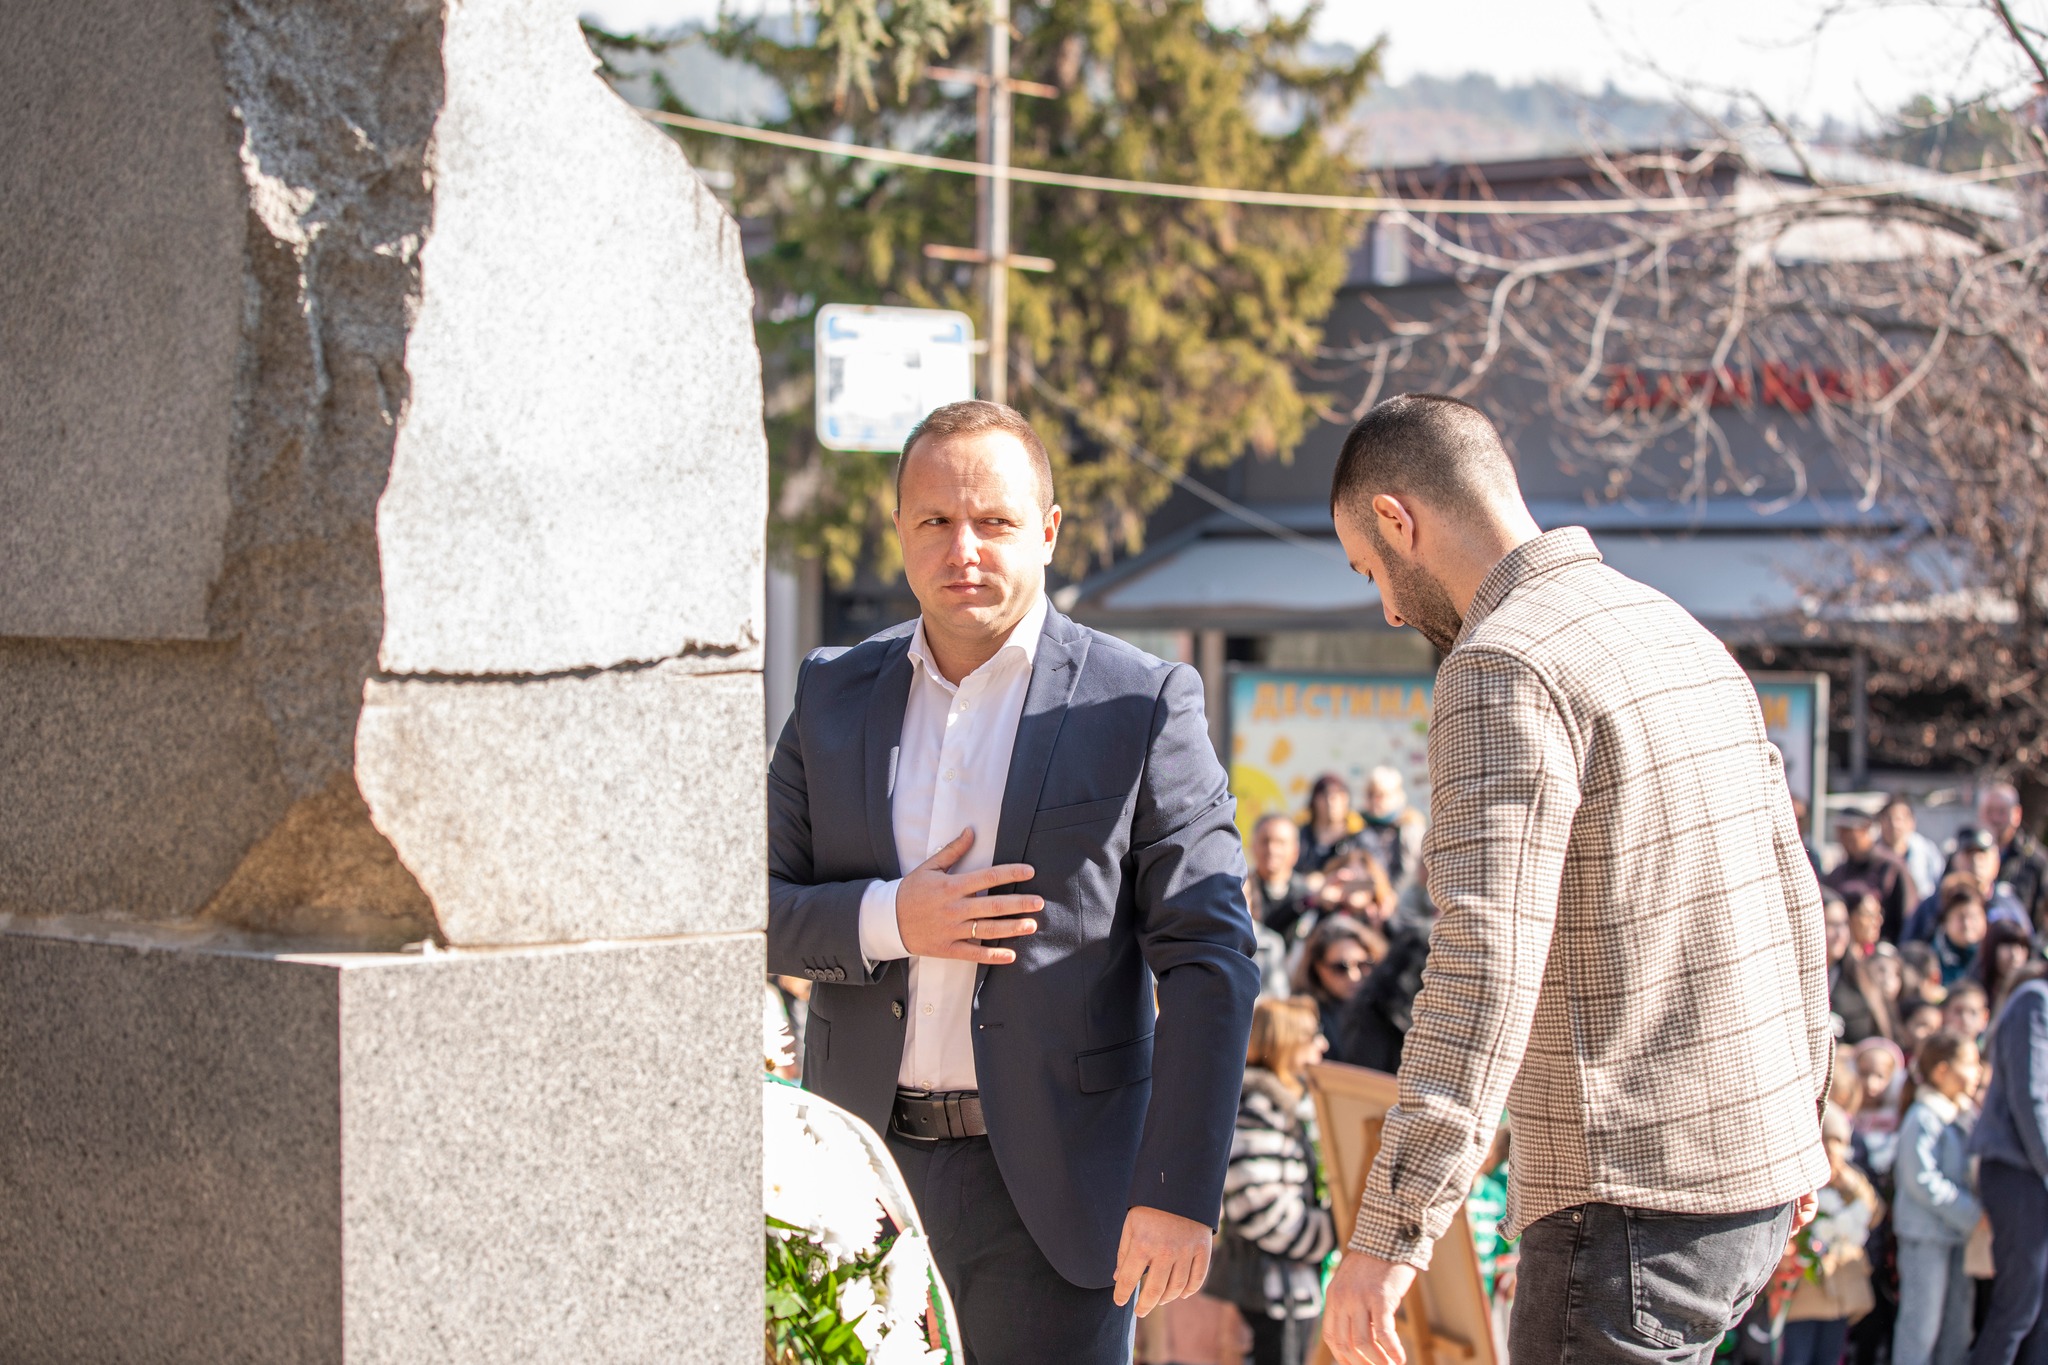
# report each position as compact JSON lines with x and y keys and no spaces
{"x":1279,"y":894}
{"x":1002,"y":847}
{"x":2010,"y":1143}
{"x":1866,"y":860}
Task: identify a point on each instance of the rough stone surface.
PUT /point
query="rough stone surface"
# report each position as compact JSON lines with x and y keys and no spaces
{"x":381,"y":500}
{"x":509,"y":1156}
{"x":331,"y":329}
{"x":249,"y":185}
{"x":120,"y":317}
{"x":581,"y":478}
{"x":622,"y":804}
{"x":132,"y":778}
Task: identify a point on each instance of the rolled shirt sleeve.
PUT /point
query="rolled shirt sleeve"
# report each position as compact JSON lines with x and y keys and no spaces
{"x":1504,"y":778}
{"x":880,"y":938}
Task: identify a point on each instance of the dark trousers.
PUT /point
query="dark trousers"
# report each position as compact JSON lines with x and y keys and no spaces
{"x":1815,"y":1341}
{"x":1281,"y":1341}
{"x":1014,"y":1308}
{"x":1605,"y":1285}
{"x":2016,"y":1327}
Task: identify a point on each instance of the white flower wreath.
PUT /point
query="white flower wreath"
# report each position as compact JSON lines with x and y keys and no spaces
{"x":841,"y":1286}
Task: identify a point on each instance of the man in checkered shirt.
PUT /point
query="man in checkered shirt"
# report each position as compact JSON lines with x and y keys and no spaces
{"x":1630,"y":956}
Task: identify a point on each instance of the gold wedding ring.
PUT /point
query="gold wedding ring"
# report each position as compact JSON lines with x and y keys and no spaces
{"x":974,"y":928}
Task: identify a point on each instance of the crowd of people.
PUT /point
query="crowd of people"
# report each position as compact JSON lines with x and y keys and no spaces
{"x":1940,"y":1092}
{"x":1933,"y":1232}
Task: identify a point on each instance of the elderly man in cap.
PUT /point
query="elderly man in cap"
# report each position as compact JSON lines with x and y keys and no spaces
{"x":1976,"y":862}
{"x":2021,"y":863}
{"x":1866,"y":860}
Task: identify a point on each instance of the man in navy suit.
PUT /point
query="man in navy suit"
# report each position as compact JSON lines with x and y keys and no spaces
{"x":995,"y":838}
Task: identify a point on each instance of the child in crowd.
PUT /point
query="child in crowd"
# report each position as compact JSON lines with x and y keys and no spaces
{"x":1918,"y":1021}
{"x":1967,"y":1011}
{"x":1962,"y":929}
{"x":1887,"y":976}
{"x":1855,"y":990}
{"x":1934,"y":1210}
{"x":1920,"y":974}
{"x":1834,"y":1287}
{"x":1845,"y":1091}
{"x":1881,"y":1066}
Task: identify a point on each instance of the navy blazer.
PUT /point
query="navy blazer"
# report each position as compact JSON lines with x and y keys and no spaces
{"x":1117,"y":802}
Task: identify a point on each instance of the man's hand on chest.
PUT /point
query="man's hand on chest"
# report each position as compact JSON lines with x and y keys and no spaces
{"x":941,"y":914}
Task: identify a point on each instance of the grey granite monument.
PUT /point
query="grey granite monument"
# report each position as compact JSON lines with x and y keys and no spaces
{"x":382,"y":487}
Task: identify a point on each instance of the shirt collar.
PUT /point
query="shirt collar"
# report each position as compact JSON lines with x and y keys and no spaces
{"x":1547,"y":553}
{"x":1022,"y":644}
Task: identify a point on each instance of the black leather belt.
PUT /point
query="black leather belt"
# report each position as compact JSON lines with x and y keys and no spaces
{"x":927,"y":1117}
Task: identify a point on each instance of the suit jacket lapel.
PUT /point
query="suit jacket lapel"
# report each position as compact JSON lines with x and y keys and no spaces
{"x":1054,"y":672}
{"x":885,"y":734}
{"x":1061,"y":652}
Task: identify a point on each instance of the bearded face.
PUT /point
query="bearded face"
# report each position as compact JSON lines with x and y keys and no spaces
{"x":1416,"y":595}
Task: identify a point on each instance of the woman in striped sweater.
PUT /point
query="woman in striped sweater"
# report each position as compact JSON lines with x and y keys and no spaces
{"x":1276,"y":1219}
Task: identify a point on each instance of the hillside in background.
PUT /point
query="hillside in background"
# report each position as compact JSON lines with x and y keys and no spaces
{"x":1476,"y":118}
{"x":1421,"y":120}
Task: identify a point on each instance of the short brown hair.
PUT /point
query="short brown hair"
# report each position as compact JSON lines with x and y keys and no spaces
{"x":976,"y":415}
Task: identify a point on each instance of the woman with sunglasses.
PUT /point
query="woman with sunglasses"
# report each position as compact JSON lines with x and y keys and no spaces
{"x":1334,"y":962}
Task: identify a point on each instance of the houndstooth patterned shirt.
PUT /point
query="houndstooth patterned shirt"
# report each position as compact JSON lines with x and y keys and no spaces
{"x":1630,"y":952}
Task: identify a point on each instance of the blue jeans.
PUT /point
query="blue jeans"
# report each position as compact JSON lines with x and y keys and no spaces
{"x":2016,"y":1328}
{"x":1935,"y":1298}
{"x":1604,"y":1285}
{"x":1815,"y":1341}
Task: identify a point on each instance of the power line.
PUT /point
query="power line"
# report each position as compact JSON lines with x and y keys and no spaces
{"x":1258,"y":521}
{"x":1355,"y":203}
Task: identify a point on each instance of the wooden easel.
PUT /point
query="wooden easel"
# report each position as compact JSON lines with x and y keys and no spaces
{"x":1446,"y":1318}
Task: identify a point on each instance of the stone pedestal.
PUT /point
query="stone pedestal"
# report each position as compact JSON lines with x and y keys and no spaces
{"x":382,"y":502}
{"x":228,"y":1155}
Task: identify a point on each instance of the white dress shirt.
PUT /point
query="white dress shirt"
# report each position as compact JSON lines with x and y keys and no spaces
{"x":949,"y":774}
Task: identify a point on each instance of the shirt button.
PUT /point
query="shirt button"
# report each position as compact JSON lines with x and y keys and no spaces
{"x":926,"y":1010}
{"x":949,"y":774}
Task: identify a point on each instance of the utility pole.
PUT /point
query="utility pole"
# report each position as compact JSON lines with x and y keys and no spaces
{"x":995,"y":240}
{"x":991,"y":250}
